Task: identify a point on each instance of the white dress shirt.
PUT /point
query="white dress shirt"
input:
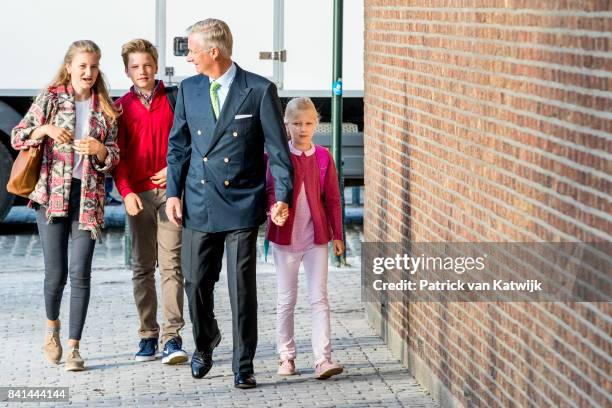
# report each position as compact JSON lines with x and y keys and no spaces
{"x":225,"y":81}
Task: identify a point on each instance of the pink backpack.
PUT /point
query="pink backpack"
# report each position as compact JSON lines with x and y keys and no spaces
{"x":322,"y":156}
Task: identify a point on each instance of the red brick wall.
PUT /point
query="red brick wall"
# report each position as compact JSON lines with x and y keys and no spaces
{"x":491,"y":121}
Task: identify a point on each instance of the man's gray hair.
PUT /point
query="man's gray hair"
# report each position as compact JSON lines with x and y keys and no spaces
{"x":214,"y":33}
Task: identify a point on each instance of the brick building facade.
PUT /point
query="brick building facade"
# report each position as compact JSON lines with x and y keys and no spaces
{"x":492,"y":121}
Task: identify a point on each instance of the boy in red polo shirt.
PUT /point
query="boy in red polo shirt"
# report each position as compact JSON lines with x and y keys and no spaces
{"x":144,"y":126}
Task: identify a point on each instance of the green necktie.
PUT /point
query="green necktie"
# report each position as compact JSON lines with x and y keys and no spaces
{"x":214,"y":97}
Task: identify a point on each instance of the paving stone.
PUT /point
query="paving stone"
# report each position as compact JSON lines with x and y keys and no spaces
{"x":372,"y":377}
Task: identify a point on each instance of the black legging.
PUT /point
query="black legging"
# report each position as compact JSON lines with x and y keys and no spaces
{"x":55,"y":237}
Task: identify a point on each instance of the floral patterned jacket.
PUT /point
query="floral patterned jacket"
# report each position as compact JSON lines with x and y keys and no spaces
{"x":56,"y":106}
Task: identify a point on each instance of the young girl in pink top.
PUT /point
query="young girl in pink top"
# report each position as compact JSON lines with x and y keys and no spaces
{"x":302,"y":234}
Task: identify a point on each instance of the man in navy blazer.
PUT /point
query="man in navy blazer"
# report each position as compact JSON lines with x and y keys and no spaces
{"x":224,"y":117}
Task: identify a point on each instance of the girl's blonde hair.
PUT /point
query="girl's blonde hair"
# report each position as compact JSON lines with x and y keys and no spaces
{"x":62,"y":77}
{"x":299,"y":104}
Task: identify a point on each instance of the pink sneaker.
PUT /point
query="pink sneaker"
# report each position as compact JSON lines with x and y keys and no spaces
{"x":326,"y":369}
{"x":286,"y":367}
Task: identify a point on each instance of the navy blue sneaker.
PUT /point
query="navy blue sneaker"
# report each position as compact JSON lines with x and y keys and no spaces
{"x":173,"y":354}
{"x":148,"y":349}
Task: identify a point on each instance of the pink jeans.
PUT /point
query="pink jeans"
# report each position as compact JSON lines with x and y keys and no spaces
{"x":287,"y":268}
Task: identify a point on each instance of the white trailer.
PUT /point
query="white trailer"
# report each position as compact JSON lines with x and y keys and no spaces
{"x":294,"y":38}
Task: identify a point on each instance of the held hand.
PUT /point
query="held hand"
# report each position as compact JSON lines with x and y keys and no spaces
{"x":89,"y":146}
{"x":58,"y":134}
{"x":133,"y":204}
{"x":160,"y":177}
{"x":280,"y":219}
{"x":173,"y":211}
{"x":279,"y":213}
{"x":339,"y":248}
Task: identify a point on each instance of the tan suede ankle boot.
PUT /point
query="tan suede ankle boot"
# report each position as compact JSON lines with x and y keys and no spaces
{"x":53,"y":346}
{"x":74,"y":362}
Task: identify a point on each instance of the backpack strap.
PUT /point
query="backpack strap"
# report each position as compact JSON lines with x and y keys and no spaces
{"x":266,"y":249}
{"x":322,"y":155}
{"x":266,"y":243}
{"x":171,"y":92}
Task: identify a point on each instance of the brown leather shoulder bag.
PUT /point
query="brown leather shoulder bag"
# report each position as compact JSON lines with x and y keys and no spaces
{"x":26,"y":167}
{"x":25,"y":171}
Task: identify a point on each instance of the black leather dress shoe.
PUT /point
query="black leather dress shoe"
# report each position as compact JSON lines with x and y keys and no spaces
{"x":201,"y":363}
{"x":244,"y":381}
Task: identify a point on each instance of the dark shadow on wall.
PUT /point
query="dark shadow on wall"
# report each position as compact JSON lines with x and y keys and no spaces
{"x":406,"y":224}
{"x":404,"y":218}
{"x":382,"y":197}
{"x":414,"y":341}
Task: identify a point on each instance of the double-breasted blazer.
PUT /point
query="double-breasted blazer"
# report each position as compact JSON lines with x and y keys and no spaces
{"x":218,"y":167}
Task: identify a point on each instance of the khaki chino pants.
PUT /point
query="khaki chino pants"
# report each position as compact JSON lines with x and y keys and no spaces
{"x":156,"y":239}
